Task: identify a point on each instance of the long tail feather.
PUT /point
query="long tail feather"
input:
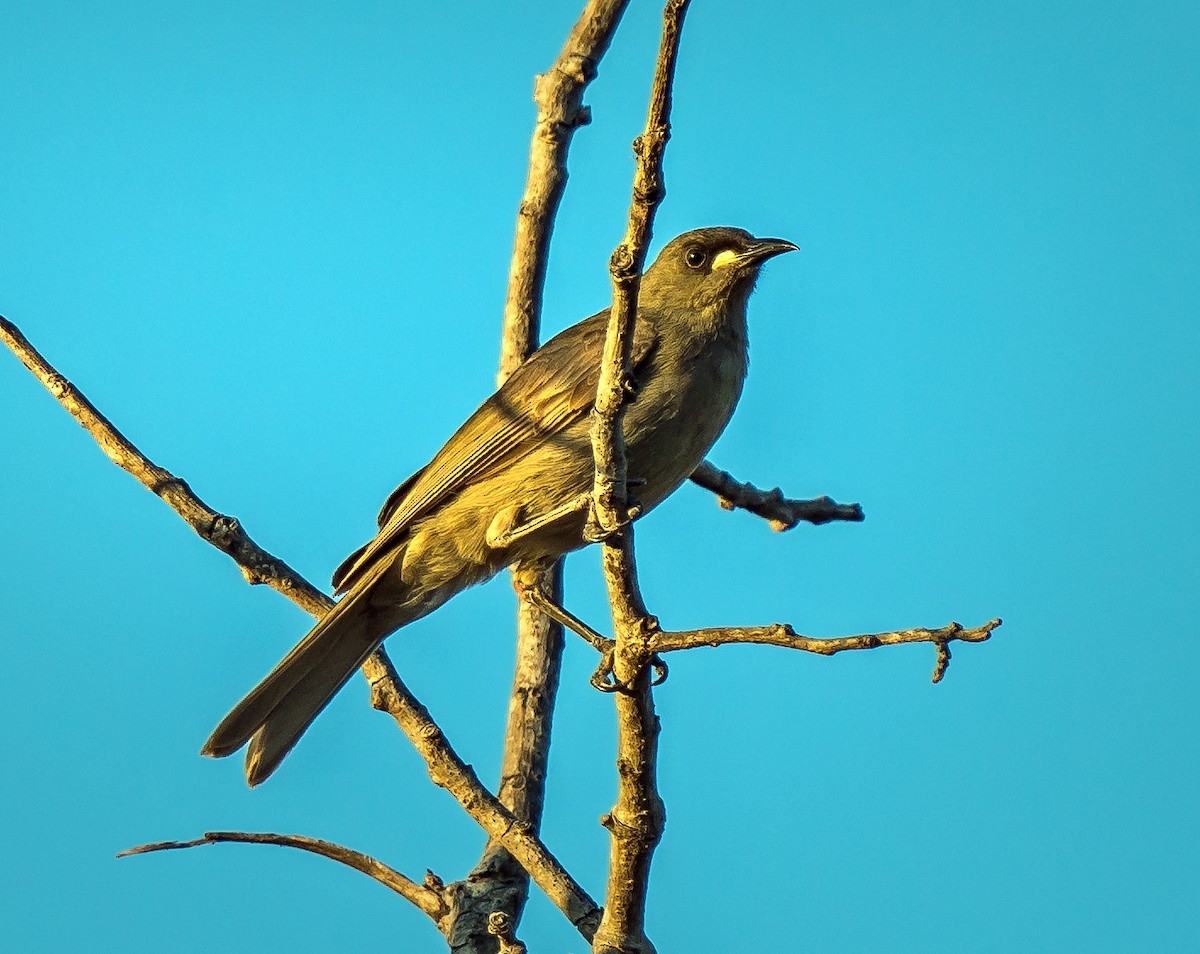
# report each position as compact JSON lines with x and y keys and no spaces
{"x":317,"y":684}
{"x":274,"y":714}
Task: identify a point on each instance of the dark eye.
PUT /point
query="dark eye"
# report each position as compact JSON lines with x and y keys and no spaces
{"x":695,"y":257}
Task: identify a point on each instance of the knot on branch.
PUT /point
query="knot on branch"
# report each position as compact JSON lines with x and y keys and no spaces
{"x":225,"y":530}
{"x":650,"y":145}
{"x":57,"y":385}
{"x":647,"y":628}
{"x":384,"y":698}
{"x":581,"y":116}
{"x":651,"y":192}
{"x":555,"y":131}
{"x":578,"y":68}
{"x":622,"y":265}
{"x":500,"y":925}
{"x":165,"y":484}
{"x":645,"y":824}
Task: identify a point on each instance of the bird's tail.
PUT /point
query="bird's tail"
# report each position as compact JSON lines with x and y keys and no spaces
{"x":277,"y":711}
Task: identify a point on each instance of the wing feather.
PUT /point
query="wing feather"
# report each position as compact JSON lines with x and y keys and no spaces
{"x":554,"y":389}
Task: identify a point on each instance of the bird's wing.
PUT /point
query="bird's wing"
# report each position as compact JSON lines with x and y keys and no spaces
{"x":551,"y":391}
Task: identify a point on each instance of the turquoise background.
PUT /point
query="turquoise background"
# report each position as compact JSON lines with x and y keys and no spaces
{"x":270,"y":241}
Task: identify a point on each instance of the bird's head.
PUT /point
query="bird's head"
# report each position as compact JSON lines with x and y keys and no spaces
{"x":708,"y":267}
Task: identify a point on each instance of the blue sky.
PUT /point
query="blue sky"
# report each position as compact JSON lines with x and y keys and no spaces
{"x":270,"y":241}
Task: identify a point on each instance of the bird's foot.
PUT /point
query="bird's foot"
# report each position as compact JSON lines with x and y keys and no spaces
{"x":594,"y":531}
{"x":605,"y":679}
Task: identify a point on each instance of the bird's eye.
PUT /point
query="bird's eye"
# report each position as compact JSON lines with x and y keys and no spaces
{"x":695,"y":257}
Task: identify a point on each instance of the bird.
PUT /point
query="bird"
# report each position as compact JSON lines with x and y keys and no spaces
{"x":510,"y":486}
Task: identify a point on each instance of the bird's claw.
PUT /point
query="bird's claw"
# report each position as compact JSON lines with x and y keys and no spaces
{"x":595,"y":532}
{"x":605,"y":679}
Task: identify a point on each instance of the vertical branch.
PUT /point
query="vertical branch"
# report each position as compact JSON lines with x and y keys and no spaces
{"x":559,"y":96}
{"x":637,"y":818}
{"x":499,"y":884}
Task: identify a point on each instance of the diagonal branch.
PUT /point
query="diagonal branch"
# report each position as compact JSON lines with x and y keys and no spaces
{"x":636,"y":820}
{"x":389,"y":693}
{"x":782,"y":512}
{"x":517,"y":837}
{"x":428,"y":897}
{"x":222,"y":531}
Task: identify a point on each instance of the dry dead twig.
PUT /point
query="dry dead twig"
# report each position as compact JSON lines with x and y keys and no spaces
{"x":429,"y":897}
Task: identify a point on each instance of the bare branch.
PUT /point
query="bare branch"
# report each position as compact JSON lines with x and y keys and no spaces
{"x":559,"y":96}
{"x":450,"y":772}
{"x":637,"y":818}
{"x":222,"y":531}
{"x":388,"y":693}
{"x":781,"y":634}
{"x":424,"y":896}
{"x":782,"y":512}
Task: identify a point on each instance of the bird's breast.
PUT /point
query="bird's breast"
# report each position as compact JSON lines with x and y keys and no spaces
{"x":683,"y":405}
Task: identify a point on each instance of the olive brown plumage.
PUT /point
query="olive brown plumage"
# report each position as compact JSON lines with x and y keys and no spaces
{"x":525,"y":454}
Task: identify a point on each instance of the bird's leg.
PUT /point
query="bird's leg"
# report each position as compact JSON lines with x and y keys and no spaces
{"x":505,"y":528}
{"x":535,"y":597}
{"x":603,"y":678}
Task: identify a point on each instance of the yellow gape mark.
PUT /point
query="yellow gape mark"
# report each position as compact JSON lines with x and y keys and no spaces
{"x":725,"y":257}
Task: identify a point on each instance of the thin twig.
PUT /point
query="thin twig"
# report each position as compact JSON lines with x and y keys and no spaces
{"x":427,"y":898}
{"x":636,"y":820}
{"x":781,"y":634}
{"x":782,"y":512}
{"x":389,"y":694}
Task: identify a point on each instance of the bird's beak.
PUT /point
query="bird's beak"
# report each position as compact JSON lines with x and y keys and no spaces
{"x":762,"y":249}
{"x":754,"y":254}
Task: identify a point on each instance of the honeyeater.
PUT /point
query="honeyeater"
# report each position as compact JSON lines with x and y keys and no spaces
{"x":505,"y":488}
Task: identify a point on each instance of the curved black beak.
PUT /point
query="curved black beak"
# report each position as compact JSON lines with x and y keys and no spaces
{"x":762,"y":249}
